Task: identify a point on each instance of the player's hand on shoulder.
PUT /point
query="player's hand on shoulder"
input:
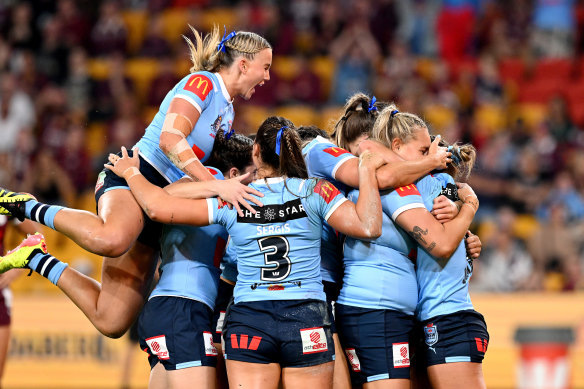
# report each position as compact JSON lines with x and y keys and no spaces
{"x":237,"y":194}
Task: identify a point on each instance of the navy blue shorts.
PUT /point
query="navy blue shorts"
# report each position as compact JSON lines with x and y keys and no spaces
{"x":292,"y":333}
{"x":376,"y":342}
{"x":108,"y":180}
{"x":456,"y":337}
{"x":331,"y":290}
{"x":224,"y":297}
{"x":176,"y":332}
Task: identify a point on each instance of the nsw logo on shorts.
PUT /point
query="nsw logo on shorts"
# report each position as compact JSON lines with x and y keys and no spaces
{"x":353,"y":359}
{"x":313,"y":340}
{"x":100,"y":181}
{"x":158,"y":347}
{"x":401,"y":354}
{"x":431,"y":333}
{"x":210,"y":349}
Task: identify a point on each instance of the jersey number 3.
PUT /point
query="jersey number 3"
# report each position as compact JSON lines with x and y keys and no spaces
{"x":275,"y":250}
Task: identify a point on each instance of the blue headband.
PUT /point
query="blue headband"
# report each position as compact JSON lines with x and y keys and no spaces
{"x":279,"y":139}
{"x":394,"y":112}
{"x":221,"y":45}
{"x":456,"y":158}
{"x":372,"y":106}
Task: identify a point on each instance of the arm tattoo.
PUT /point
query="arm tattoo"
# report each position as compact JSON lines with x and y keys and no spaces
{"x":418,"y":233}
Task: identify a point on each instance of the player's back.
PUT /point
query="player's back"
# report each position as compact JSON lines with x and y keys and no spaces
{"x":442,"y":283}
{"x":278,"y":248}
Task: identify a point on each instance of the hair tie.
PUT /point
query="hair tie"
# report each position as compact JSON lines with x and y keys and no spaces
{"x":372,"y":106}
{"x":394,"y":112}
{"x":456,"y":158}
{"x":221,"y":45}
{"x":279,"y":139}
{"x":229,"y":134}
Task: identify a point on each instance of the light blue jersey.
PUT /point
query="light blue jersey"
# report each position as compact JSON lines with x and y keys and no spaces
{"x":323,"y":159}
{"x":190,"y":260}
{"x":278,"y":249}
{"x":442,"y":284}
{"x":380,"y":274}
{"x":208,"y":94}
{"x":229,"y":263}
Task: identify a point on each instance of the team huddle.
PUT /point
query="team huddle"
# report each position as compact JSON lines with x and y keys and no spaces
{"x":295,"y":259}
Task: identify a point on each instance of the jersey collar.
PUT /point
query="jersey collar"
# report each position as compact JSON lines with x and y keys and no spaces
{"x":224,"y":88}
{"x":269,"y":180}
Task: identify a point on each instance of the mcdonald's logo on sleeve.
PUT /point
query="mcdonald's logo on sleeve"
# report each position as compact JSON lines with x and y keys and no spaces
{"x":326,"y":190}
{"x":200,"y":85}
{"x":407,"y":190}
{"x":335,"y":151}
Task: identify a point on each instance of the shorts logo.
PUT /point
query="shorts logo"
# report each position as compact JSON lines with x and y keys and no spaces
{"x":199,"y":85}
{"x":210,"y":349}
{"x":431,"y":333}
{"x":335,"y":151}
{"x":253,"y":345}
{"x":100,"y":181}
{"x":313,"y":340}
{"x":401,"y":355}
{"x":220,"y":322}
{"x":353,"y":359}
{"x":408,"y":190}
{"x":482,"y":345}
{"x":158,"y":347}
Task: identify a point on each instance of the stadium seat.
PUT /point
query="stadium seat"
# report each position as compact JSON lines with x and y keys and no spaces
{"x":148,"y":113}
{"x":491,"y":118}
{"x":553,"y":69}
{"x":253,"y":116}
{"x":425,"y":68}
{"x":439,"y":117}
{"x":324,"y":67}
{"x":512,"y":69}
{"x":540,"y":90}
{"x":175,"y":24}
{"x":532,"y":114}
{"x":96,"y":139}
{"x":98,"y":68}
{"x":142,"y":71}
{"x":182,"y":66}
{"x":136,"y":23}
{"x":328,"y":117}
{"x":219,"y":15}
{"x":301,"y":115}
{"x":285,"y":67}
{"x":525,"y":226}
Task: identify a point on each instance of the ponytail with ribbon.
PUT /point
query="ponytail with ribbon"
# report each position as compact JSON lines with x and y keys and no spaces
{"x":221,"y":45}
{"x":279,"y":139}
{"x":372,"y":107}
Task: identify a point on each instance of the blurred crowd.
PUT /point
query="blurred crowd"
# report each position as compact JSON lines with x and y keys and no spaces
{"x":79,"y":79}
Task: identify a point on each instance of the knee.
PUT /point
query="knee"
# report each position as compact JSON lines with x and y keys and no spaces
{"x":112,"y":330}
{"x":113,"y":245}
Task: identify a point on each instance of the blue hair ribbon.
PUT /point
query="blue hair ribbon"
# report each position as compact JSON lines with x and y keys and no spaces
{"x":229,"y":134}
{"x":221,"y":45}
{"x":372,"y":106}
{"x":456,"y":159}
{"x":394,"y":112}
{"x":279,"y":139}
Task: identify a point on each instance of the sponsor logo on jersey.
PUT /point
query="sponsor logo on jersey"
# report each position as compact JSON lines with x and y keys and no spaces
{"x":276,"y":287}
{"x":210,"y":349}
{"x":274,"y":213}
{"x":313,"y":340}
{"x":158,"y":347}
{"x":401,"y":354}
{"x":408,"y":190}
{"x":450,"y":191}
{"x":353,"y":359}
{"x":326,"y":190}
{"x":431,"y":334}
{"x":335,"y":151}
{"x":200,"y":85}
{"x":243,"y":342}
{"x":100,"y":181}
